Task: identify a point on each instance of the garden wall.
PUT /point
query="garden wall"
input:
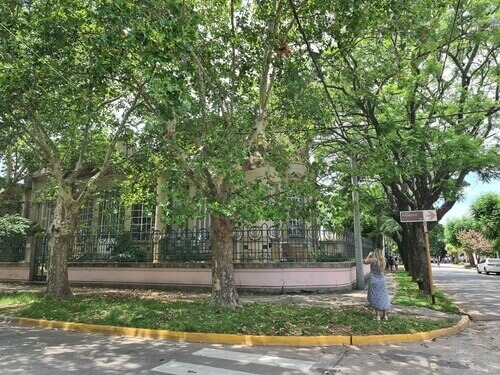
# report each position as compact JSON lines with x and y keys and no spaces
{"x":267,"y":278}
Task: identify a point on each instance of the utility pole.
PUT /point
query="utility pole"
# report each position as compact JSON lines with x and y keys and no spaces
{"x":358,"y":244}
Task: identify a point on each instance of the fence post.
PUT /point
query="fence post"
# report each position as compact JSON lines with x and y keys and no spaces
{"x":29,"y":253}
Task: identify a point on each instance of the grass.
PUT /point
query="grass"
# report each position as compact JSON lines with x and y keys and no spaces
{"x":408,"y":294}
{"x":277,"y":319}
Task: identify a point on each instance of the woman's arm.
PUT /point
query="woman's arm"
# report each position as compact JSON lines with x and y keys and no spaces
{"x":368,"y":259}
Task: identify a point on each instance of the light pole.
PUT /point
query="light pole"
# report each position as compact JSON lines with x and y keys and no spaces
{"x":358,"y":244}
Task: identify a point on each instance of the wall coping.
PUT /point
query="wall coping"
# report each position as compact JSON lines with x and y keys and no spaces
{"x":267,"y":265}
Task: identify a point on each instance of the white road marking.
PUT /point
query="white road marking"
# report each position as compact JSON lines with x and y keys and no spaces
{"x":181,"y":368}
{"x":293,"y":364}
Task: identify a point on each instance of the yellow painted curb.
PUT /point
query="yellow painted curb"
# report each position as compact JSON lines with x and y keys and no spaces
{"x":223,"y":338}
{"x":411,"y":337}
{"x":216,"y":338}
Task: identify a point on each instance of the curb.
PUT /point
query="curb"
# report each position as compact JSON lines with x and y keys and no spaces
{"x":412,"y":337}
{"x":249,"y":340}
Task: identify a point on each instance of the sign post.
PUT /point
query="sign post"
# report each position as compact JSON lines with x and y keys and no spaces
{"x":423,"y":216}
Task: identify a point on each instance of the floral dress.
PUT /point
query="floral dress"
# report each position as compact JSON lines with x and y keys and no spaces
{"x":378,"y":297}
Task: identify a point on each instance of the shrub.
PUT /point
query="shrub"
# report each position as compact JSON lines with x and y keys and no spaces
{"x":125,"y":250}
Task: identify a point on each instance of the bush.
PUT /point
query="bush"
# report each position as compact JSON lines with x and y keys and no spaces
{"x":326,"y":257}
{"x":12,"y":238}
{"x":125,"y":250}
{"x":13,"y":225}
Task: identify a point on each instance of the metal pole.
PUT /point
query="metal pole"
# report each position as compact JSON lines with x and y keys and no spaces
{"x":358,"y":244}
{"x":429,"y":266}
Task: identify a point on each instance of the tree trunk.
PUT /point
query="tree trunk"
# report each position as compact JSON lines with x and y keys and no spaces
{"x":61,"y":236}
{"x":223,"y":286}
{"x":402,"y":251}
{"x":414,"y":244}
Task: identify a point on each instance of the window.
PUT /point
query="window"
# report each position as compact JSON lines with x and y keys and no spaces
{"x":43,"y":215}
{"x":141,"y":221}
{"x":111,"y":215}
{"x":203,"y":222}
{"x":296,"y":225}
{"x":86,"y":217}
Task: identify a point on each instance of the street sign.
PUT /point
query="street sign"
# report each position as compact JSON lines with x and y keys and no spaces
{"x":430,"y":215}
{"x":417,"y":216}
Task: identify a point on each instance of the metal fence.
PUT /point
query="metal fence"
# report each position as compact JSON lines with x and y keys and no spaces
{"x":12,"y":248}
{"x":255,"y":244}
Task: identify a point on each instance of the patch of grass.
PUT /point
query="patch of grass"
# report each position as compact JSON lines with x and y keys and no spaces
{"x":408,"y":294}
{"x":199,"y":316}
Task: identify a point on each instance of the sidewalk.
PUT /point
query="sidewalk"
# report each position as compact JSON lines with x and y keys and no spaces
{"x":345,"y":299}
{"x":352,"y":298}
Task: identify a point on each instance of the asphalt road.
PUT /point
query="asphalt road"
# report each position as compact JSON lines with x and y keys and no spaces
{"x":26,"y":350}
{"x":473,"y":351}
{"x":477,"y":294}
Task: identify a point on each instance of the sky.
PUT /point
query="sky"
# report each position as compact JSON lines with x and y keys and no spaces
{"x":472,"y":192}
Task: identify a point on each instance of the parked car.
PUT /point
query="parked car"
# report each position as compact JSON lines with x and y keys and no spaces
{"x":488,"y":265}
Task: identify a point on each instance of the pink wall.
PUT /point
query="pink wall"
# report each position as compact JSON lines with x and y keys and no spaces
{"x":311,"y":278}
{"x":141,"y":275}
{"x":291,"y":277}
{"x":14,"y":273}
{"x":288,"y":278}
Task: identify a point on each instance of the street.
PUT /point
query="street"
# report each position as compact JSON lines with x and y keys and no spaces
{"x":473,"y":351}
{"x":477,"y":294}
{"x":27,"y":350}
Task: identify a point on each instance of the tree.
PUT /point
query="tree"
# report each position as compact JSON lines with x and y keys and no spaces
{"x":474,"y":243}
{"x":61,"y":81}
{"x":437,"y":241}
{"x":414,"y":96}
{"x":486,"y":210}
{"x":16,"y":162}
{"x":455,"y":226}
{"x":213,"y":120}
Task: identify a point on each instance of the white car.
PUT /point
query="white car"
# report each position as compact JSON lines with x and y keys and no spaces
{"x":488,"y":265}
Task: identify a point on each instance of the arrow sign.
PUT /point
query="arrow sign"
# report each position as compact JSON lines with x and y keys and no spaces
{"x":430,"y":215}
{"x":417,"y":216}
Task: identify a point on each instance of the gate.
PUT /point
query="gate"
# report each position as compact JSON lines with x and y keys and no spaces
{"x":41,"y":259}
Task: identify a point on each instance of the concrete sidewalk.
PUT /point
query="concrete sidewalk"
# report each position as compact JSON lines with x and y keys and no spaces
{"x":352,"y":298}
{"x":349,"y":298}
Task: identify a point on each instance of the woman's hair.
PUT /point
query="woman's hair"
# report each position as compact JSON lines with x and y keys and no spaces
{"x":378,"y":255}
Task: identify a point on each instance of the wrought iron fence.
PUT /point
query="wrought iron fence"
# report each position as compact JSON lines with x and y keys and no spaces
{"x":294,"y":244}
{"x":12,"y":248}
{"x":255,"y":244}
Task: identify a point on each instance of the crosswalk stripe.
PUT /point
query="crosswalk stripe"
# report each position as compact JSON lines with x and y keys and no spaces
{"x":181,"y":368}
{"x":268,"y":360}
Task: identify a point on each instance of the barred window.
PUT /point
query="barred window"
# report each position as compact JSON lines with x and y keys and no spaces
{"x":141,"y":221}
{"x":296,"y":225}
{"x":43,"y":215}
{"x":203,"y":222}
{"x":86,"y":217}
{"x":111,"y":215}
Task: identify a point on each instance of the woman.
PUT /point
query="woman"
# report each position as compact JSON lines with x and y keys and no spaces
{"x":378,"y":297}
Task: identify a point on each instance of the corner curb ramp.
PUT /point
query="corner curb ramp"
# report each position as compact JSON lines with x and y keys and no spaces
{"x":249,"y":340}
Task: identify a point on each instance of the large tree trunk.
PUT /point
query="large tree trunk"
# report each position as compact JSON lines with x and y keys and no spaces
{"x":414,"y":244}
{"x":223,"y":285}
{"x":61,"y":234}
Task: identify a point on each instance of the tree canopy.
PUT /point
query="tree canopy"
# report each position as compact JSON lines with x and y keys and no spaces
{"x":204,"y":93}
{"x":414,"y":98}
{"x":486,"y":211}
